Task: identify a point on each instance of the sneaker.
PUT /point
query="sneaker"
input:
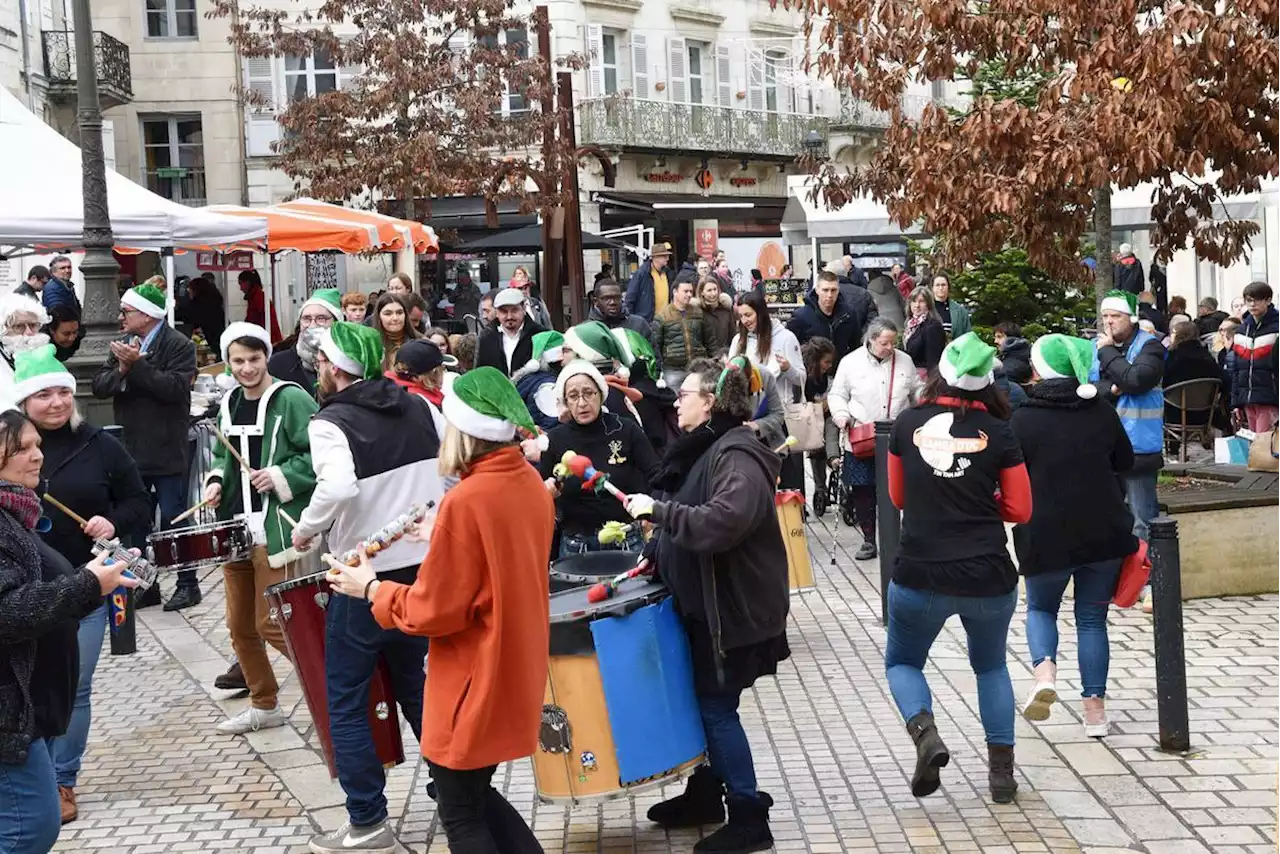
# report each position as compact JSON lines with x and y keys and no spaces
{"x":867,"y":551}
{"x":1096,"y":724}
{"x":67,"y":799}
{"x":1042,"y":698}
{"x":184,"y":597}
{"x":252,"y":720}
{"x":375,"y":839}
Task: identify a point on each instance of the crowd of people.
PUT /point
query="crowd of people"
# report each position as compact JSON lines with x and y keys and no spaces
{"x":682,"y":393}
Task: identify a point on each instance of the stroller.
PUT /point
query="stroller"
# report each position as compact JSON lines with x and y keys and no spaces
{"x":834,"y":493}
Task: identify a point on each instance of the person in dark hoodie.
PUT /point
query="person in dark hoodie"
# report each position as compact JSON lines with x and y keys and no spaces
{"x":1080,"y":531}
{"x":832,"y":314}
{"x":91,"y":472}
{"x":1188,"y":360}
{"x":720,"y":551}
{"x":1128,"y":273}
{"x":1013,"y":351}
{"x":536,"y":380}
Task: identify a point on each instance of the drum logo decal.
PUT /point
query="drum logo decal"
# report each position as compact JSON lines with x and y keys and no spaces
{"x":381,"y":711}
{"x":555,"y":735}
{"x":588,"y":760}
{"x":615,"y":453}
{"x":322,"y":599}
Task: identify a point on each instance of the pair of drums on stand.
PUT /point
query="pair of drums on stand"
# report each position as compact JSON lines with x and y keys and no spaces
{"x":620,"y":714}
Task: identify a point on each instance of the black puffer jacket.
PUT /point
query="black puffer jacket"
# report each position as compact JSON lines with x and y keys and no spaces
{"x":34,"y":601}
{"x":1015,"y":356}
{"x":843,"y":327}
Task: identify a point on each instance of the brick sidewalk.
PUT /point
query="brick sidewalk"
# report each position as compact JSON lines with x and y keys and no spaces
{"x":828,"y":742}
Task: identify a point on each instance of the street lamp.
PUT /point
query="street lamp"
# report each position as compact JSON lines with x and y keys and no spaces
{"x":814,"y":144}
{"x":101,"y":298}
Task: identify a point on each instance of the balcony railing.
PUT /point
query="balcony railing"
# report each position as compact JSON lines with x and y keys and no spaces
{"x":857,"y":113}
{"x":660,"y":125}
{"x":111,"y":58}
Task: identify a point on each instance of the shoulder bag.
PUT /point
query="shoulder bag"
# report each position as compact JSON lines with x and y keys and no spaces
{"x":805,"y":422}
{"x":862,"y":437}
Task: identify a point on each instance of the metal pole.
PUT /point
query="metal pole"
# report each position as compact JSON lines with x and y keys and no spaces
{"x":1170,"y":653}
{"x":101,"y":305}
{"x":574,"y":274}
{"x":888,"y":522}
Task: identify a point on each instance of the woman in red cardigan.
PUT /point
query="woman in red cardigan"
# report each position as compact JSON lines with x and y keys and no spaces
{"x":481,"y":596}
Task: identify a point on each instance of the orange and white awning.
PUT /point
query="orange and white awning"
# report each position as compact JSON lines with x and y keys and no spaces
{"x":305,"y":232}
{"x":421,"y":238}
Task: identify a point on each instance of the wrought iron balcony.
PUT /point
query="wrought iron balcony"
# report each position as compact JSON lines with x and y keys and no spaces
{"x":860,"y":114}
{"x":661,"y":126}
{"x":111,"y":57}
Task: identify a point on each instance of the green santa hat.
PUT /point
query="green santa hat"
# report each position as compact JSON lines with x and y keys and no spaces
{"x":147,"y":299}
{"x":330,"y":299}
{"x":636,"y":348}
{"x":1060,"y":356}
{"x":39,"y":369}
{"x":353,"y":348}
{"x":484,"y":404}
{"x":594,"y":342}
{"x":968,"y":363}
{"x":548,"y":347}
{"x":1121,"y":301}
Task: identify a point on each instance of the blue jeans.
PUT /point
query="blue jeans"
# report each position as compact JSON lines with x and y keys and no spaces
{"x":576,"y":544}
{"x":727,"y":744}
{"x":1140,"y":492}
{"x":169,"y":495}
{"x":353,"y":642}
{"x":1095,"y":585}
{"x":30,"y":812}
{"x":68,"y":749}
{"x":915,"y":619}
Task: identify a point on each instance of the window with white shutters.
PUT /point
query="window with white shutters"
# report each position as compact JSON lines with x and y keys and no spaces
{"x":755,"y":81}
{"x":262,"y":79}
{"x":677,"y":70}
{"x":610,"y":44}
{"x":724,"y":81}
{"x":593,"y":36}
{"x":639,"y":65}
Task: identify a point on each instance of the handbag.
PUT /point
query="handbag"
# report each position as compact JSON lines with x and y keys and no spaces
{"x":1134,"y":574}
{"x":806,"y":422}
{"x":862,"y":437}
{"x":1263,"y":454}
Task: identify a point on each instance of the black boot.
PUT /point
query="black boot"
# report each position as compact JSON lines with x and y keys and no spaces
{"x":819,"y":500}
{"x":866,"y":551}
{"x":701,"y":803}
{"x":1000,"y":773}
{"x":931,"y":754}
{"x":186,"y":596}
{"x":747,"y":830}
{"x":149,"y":598}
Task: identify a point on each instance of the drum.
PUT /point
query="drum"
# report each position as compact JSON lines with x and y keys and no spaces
{"x":201,"y":443}
{"x":299,"y":606}
{"x":619,"y":714}
{"x":200,"y":546}
{"x":586,"y":569}
{"x":790,"y":506}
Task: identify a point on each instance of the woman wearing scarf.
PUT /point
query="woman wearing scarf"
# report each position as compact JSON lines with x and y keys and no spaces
{"x":720,"y":551}
{"x":391,"y":319}
{"x":616,"y":446}
{"x":420,"y":370}
{"x":42,"y":600}
{"x":925,"y":335}
{"x":956,"y":472}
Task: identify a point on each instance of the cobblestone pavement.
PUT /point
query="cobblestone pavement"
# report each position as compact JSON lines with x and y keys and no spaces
{"x":828,"y":743}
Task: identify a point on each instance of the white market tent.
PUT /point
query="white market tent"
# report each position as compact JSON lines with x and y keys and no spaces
{"x":862,"y":220}
{"x":41,"y":201}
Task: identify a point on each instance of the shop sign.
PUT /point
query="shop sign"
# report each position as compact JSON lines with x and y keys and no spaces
{"x":234,"y":261}
{"x":706,"y":241}
{"x":663,"y":177}
{"x":704,"y":179}
{"x":743,"y":181}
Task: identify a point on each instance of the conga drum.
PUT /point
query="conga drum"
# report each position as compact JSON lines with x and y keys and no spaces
{"x":790,"y":505}
{"x":299,"y":606}
{"x":587,"y":569}
{"x":619,"y":714}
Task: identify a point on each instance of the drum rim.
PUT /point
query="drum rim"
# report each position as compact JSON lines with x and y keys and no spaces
{"x":600,"y":610}
{"x":205,"y":528}
{"x":301,"y":581}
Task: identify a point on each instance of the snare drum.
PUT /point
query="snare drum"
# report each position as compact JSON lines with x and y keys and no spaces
{"x":200,"y":546}
{"x":586,"y":569}
{"x":298,"y":606}
{"x":619,"y":714}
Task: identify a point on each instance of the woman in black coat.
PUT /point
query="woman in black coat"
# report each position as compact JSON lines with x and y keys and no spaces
{"x":925,"y":336}
{"x":204,"y":310}
{"x":42,"y":598}
{"x":719,"y":549}
{"x":91,"y":472}
{"x":1080,"y":530}
{"x":1188,"y":360}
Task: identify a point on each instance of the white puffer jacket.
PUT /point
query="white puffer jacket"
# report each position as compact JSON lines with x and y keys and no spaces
{"x":860,"y":391}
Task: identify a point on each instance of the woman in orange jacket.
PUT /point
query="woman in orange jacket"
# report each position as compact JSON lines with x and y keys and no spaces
{"x":481,"y":596}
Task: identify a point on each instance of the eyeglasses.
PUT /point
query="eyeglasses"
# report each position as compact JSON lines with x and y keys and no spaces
{"x":683,"y":394}
{"x":582,"y":397}
{"x":125,"y":311}
{"x":24,"y":328}
{"x":325,"y":319}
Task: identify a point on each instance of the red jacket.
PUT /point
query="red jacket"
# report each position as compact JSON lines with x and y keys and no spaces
{"x":256,"y":312}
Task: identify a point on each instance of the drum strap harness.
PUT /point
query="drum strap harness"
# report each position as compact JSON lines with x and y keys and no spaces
{"x":242,"y":432}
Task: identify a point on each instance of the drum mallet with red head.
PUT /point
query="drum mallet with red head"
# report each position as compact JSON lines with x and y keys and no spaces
{"x":605,"y":589}
{"x":592,"y":478}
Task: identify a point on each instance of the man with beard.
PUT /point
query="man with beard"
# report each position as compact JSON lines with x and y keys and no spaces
{"x":509,"y":345}
{"x":21,"y":318}
{"x":297,"y":364}
{"x":374,"y":450}
{"x":148,"y":376}
{"x":606,"y":298}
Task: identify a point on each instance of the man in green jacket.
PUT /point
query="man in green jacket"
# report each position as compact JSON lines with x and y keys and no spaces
{"x":955,"y":317}
{"x":681,"y":334}
{"x":267,"y":420}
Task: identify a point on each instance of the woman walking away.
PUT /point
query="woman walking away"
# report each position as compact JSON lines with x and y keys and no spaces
{"x":819,"y":364}
{"x":485,"y":610}
{"x":925,"y":336}
{"x":876,"y":382}
{"x":956,"y":472}
{"x":91,"y":472}
{"x":719,"y":548}
{"x":1075,"y":449}
{"x":42,"y":600}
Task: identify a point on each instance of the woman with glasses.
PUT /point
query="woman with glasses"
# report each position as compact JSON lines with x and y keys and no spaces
{"x":616,"y":446}
{"x":297,"y":362}
{"x":534,"y":307}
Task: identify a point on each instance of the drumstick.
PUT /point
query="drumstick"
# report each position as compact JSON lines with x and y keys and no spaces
{"x":606,"y":589}
{"x":791,"y":440}
{"x":292,"y":521}
{"x":80,"y":520}
{"x":231,"y":448}
{"x":186,"y":513}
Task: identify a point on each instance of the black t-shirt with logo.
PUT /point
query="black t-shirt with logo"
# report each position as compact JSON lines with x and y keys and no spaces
{"x":245,"y":412}
{"x":953,"y":539}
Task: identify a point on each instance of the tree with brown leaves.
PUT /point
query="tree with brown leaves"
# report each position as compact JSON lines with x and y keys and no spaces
{"x":443,"y":98}
{"x":1179,"y":94}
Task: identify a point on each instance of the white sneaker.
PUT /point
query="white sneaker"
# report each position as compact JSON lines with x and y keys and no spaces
{"x":377,"y":839}
{"x":1042,"y":698}
{"x":1096,"y":724}
{"x":252,"y":720}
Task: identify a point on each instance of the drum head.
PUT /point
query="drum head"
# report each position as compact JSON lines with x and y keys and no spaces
{"x":315,"y":579}
{"x":593,"y":566}
{"x":633,"y":593}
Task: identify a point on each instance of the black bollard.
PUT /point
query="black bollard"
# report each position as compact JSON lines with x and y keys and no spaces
{"x":888,"y":522}
{"x":1170,"y":653}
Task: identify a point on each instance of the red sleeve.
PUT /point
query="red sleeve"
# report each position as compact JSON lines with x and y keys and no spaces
{"x":896,"y":480}
{"x":254,"y":309}
{"x":1015,"y":494}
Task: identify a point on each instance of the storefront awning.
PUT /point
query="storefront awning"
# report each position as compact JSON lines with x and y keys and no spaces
{"x":529,"y":239}
{"x":861,"y":220}
{"x":1131,"y":208}
{"x":693,"y":205}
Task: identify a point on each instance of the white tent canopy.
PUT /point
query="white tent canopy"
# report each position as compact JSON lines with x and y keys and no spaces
{"x":41,"y":199}
{"x":861,"y":220}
